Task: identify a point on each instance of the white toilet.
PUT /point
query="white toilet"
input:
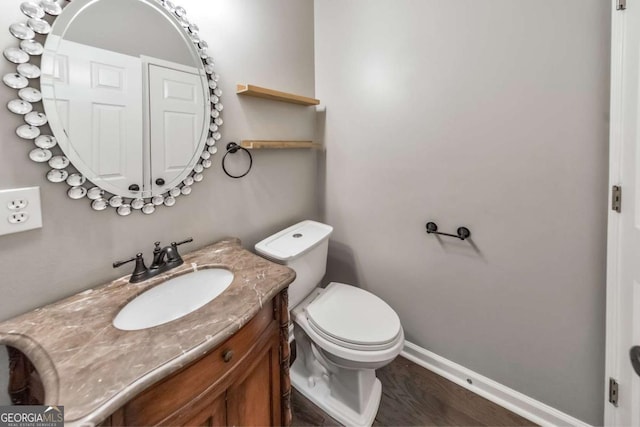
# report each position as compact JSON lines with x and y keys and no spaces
{"x":342,"y":333}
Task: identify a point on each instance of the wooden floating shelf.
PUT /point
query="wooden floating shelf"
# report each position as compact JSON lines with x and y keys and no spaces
{"x":259,"y":144}
{"x":275,"y":95}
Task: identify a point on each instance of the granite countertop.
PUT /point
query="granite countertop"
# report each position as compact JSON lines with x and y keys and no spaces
{"x":92,"y":368}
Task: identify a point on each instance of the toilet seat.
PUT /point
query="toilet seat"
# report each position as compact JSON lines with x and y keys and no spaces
{"x":339,"y":345}
{"x":350,"y":345}
{"x":353,"y":318}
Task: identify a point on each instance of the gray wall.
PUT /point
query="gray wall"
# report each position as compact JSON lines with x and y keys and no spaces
{"x":75,"y":248}
{"x":490,"y":114}
{"x":141,"y":31}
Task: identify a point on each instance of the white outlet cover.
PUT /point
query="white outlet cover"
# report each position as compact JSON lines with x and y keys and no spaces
{"x":14,"y":203}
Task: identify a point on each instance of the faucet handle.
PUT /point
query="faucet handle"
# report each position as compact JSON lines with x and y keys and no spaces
{"x":121,"y":263}
{"x":139,"y":272}
{"x":157,"y":248}
{"x":189,"y":240}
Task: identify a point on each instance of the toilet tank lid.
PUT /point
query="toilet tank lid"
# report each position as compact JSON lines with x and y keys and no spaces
{"x":294,"y":241}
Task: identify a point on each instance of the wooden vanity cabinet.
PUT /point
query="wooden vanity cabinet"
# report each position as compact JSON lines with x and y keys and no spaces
{"x":242,"y":382}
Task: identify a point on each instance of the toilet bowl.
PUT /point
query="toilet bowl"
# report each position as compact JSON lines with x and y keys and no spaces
{"x":342,"y":333}
{"x":339,"y":351}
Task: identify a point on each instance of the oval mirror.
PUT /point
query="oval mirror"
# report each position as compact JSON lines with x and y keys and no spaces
{"x":126,"y":90}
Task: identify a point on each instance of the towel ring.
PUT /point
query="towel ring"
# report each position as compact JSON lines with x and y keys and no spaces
{"x":232,"y":148}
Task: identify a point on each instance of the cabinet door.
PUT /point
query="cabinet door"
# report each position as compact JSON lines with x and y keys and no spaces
{"x":188,"y":392}
{"x":213,"y":415}
{"x":254,"y":399}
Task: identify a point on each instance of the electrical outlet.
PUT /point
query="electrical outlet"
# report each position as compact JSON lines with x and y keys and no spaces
{"x":18,"y":217}
{"x":20,"y":210}
{"x":18,"y":204}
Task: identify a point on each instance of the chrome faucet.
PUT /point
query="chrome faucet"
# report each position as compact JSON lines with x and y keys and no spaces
{"x":164,"y":259}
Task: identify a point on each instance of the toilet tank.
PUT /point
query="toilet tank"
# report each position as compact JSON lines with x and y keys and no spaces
{"x":302,"y":247}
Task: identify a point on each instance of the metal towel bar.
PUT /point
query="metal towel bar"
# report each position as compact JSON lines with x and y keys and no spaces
{"x":462,"y":232}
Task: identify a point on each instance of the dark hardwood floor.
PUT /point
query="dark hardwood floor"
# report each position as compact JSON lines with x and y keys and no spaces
{"x":414,"y":396}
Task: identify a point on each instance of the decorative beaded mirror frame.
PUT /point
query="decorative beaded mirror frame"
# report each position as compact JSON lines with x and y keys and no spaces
{"x":40,"y":17}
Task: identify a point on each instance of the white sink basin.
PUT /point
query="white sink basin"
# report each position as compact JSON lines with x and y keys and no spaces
{"x":173,"y":299}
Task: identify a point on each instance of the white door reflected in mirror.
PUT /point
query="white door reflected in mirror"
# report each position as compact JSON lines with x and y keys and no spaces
{"x":111,"y":126}
{"x":97,"y":95}
{"x":175,"y":119}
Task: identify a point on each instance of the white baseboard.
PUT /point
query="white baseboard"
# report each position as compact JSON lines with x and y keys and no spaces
{"x":531,"y":409}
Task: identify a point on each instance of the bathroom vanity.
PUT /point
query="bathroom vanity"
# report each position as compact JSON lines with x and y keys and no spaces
{"x":238,"y":383}
{"x":226,"y":363}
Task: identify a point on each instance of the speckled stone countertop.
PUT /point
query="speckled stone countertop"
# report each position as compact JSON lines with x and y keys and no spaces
{"x":92,"y":368}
